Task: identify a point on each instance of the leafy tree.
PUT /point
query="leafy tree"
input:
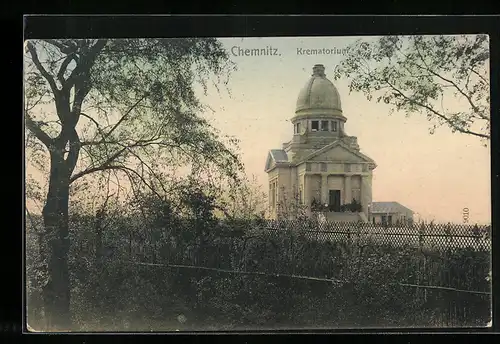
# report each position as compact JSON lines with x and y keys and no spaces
{"x":420,"y":74}
{"x":120,"y":109}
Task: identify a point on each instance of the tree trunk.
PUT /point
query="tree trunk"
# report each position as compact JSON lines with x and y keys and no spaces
{"x":56,"y":292}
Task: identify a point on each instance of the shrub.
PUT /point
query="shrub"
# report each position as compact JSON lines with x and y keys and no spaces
{"x":109,"y":291}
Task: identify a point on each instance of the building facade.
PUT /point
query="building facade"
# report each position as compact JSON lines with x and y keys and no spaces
{"x":321,"y":167}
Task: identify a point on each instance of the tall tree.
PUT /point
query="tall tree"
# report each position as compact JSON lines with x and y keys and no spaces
{"x":424,"y":74}
{"x":125,"y":108}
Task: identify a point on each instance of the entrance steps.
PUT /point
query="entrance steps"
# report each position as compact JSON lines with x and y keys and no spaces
{"x":345,"y":217}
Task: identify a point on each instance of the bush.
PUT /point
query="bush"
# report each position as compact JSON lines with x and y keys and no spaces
{"x":110,"y":292}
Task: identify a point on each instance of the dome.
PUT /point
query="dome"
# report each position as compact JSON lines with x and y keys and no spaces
{"x":319,"y":96}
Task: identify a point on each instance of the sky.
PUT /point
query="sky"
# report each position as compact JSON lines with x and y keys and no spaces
{"x":436,"y":176}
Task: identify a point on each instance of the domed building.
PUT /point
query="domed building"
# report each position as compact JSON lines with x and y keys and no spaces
{"x":321,"y":169}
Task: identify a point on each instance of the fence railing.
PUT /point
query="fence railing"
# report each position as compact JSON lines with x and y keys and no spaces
{"x":426,"y":236}
{"x":441,"y":266}
{"x":283,"y":238}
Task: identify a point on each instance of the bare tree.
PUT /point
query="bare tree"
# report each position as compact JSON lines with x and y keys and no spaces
{"x":245,"y":199}
{"x":291,"y":206}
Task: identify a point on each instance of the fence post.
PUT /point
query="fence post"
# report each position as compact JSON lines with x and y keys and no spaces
{"x":449,"y":236}
{"x":130,"y":244}
{"x":477,"y":234}
{"x":292,"y":260}
{"x":425,"y":274}
{"x":421,"y":233}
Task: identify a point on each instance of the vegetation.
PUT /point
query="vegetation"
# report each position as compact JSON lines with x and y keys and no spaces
{"x":354,"y":206}
{"x":257,"y":278}
{"x":426,"y":75}
{"x":290,"y":205}
{"x":130,"y":236}
{"x":116,"y":112}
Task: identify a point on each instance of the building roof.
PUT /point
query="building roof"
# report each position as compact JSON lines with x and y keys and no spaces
{"x":338,"y":143}
{"x":388,"y":207}
{"x":279,"y":155}
{"x":319,"y":93}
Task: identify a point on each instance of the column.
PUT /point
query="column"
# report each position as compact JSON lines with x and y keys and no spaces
{"x":366,"y":193}
{"x":307,"y":194}
{"x":279,"y":206}
{"x":324,"y":189}
{"x":275,"y":201}
{"x":347,"y":190}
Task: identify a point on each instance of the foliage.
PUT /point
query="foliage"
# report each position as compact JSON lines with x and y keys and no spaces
{"x":318,"y":206}
{"x":364,"y":287}
{"x":136,"y":105}
{"x":354,"y":206}
{"x":111,"y":115}
{"x":290,"y":206}
{"x":426,"y":74}
{"x":244,"y":199}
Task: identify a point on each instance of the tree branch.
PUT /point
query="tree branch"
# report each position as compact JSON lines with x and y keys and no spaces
{"x":143,"y":163}
{"x":98,"y":126}
{"x":102,"y":167}
{"x":94,"y":169}
{"x":42,"y":70}
{"x":98,"y":143}
{"x":429,"y":69}
{"x":60,"y":97}
{"x":426,"y":67}
{"x":122,"y":168}
{"x":38,"y":132}
{"x":79,"y":78}
{"x":430,"y":109}
{"x":82,"y":88}
{"x":26,"y":110}
{"x":65,"y":49}
{"x":74,"y":151}
{"x":86,"y":62}
{"x":64,"y":66}
{"x":479,"y":75}
{"x":110,"y":159}
{"x":123,"y":117}
{"x":100,"y":131}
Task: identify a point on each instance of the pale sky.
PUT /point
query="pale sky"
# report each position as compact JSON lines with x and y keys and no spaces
{"x":434,"y":175}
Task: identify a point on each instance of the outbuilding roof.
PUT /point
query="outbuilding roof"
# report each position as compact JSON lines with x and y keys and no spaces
{"x":389,"y":207}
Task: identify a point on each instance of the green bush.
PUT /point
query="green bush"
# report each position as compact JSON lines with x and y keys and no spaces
{"x":110,"y":292}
